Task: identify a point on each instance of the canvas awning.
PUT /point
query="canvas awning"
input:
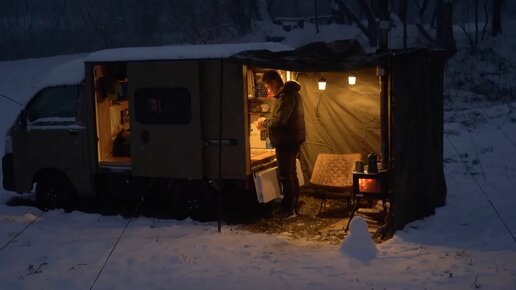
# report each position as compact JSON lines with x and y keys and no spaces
{"x":341,"y":55}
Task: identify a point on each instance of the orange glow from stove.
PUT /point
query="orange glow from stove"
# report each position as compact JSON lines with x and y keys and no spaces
{"x":368,"y":185}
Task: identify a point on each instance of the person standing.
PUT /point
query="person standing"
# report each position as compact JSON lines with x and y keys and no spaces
{"x":286,"y":128}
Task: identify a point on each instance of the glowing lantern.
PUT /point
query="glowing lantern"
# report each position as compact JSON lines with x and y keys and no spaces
{"x":352,"y":80}
{"x":322,"y":84}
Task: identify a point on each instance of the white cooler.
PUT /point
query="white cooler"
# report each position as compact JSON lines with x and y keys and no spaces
{"x":267,"y":185}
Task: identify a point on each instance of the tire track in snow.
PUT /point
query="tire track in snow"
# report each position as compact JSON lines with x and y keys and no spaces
{"x":472,"y":174}
{"x":498,"y":127}
{"x":21,"y":231}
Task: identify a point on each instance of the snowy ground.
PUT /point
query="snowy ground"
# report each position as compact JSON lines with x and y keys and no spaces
{"x":467,"y":244}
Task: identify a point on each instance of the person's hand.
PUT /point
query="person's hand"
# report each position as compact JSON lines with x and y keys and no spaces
{"x":260,"y":123}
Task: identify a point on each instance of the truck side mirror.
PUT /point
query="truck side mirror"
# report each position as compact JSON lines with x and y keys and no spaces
{"x":22,"y":119}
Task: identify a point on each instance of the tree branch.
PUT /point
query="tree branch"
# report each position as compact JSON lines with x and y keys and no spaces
{"x":424,"y":33}
{"x":353,"y":18}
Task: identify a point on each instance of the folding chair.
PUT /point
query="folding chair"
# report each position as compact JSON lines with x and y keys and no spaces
{"x":332,"y":176}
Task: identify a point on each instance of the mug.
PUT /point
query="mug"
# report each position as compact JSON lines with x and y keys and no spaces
{"x":359,"y":166}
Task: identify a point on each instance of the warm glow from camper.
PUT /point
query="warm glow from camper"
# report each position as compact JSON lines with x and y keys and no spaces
{"x":322,"y":84}
{"x":288,"y":76}
{"x":352,"y":80}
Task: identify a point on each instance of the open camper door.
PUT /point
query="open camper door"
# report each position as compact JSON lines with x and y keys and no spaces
{"x":165,"y":119}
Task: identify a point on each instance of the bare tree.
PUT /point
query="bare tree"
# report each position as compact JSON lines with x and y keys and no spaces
{"x":371,"y":21}
{"x":263,"y":10}
{"x":215,"y":22}
{"x":402,"y":14}
{"x":383,"y":14}
{"x":475,"y":9}
{"x":145,"y":19}
{"x":422,"y":7}
{"x":369,"y":31}
{"x":486,"y":17}
{"x":25,"y":21}
{"x":101,"y":17}
{"x":444,"y":33}
{"x":496,"y":26}
{"x":475,"y":35}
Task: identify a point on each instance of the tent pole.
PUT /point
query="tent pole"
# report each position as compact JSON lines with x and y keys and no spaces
{"x":384,"y":116}
{"x":218,"y":188}
{"x":384,"y":94}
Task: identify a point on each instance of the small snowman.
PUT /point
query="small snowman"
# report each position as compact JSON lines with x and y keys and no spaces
{"x":359,"y":244}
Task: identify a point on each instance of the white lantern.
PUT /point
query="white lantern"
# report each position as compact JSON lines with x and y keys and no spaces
{"x":352,"y":80}
{"x":322,"y":84}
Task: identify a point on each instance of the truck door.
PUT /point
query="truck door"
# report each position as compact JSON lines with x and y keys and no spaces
{"x":51,"y":138}
{"x":165,"y":119}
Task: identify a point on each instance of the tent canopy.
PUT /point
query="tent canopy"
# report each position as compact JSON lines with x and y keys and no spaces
{"x":346,"y":119}
{"x":340,"y":55}
{"x":342,"y":118}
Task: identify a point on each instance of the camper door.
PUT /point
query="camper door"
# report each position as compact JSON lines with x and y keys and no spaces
{"x":165,"y":119}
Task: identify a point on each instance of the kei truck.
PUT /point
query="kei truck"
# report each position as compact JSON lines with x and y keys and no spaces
{"x":181,"y":120}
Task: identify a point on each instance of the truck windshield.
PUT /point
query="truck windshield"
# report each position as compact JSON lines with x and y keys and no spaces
{"x":53,"y":102}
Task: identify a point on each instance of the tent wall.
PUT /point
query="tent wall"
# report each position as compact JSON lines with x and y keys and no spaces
{"x":417,"y":135}
{"x":342,"y":118}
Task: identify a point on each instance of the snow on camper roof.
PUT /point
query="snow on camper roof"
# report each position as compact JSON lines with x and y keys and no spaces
{"x":68,"y":73}
{"x":181,"y":51}
{"x":72,"y":72}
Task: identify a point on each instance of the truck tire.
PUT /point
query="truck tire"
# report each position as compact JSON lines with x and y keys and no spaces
{"x":54,"y":190}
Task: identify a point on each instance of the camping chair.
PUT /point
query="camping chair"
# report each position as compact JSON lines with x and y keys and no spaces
{"x":332,"y":176}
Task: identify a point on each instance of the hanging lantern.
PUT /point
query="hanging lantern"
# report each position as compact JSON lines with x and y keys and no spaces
{"x":352,"y":80}
{"x":322,"y":84}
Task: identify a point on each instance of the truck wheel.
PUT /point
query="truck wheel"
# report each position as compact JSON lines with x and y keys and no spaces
{"x":54,"y":190}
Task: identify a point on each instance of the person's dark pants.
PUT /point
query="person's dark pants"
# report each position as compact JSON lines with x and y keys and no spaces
{"x":288,"y":177}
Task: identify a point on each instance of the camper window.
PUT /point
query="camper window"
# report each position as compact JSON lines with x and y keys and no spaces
{"x":163,"y":106}
{"x":52,"y":102}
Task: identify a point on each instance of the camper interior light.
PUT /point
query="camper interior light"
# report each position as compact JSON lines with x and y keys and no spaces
{"x":352,"y":80}
{"x":322,"y":84}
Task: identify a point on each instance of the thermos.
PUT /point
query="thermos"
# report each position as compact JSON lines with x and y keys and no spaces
{"x":371,"y":163}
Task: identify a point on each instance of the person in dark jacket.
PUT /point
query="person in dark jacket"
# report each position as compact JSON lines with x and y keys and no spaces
{"x":286,"y":130}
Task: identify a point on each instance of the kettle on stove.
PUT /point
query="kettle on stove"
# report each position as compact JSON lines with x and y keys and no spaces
{"x":372,"y":160}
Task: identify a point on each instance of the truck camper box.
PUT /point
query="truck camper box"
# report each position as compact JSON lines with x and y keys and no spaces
{"x":186,"y":114}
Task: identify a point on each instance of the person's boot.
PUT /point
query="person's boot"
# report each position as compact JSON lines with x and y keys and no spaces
{"x":284,"y":213}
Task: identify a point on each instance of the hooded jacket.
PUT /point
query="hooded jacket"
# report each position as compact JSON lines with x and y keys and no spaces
{"x":287,"y":124}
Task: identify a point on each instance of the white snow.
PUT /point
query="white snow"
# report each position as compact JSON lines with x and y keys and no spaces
{"x":181,"y":51}
{"x":467,"y":244}
{"x":69,"y":73}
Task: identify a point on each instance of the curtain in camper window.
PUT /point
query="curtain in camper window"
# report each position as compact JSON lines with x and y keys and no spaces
{"x":163,"y":106}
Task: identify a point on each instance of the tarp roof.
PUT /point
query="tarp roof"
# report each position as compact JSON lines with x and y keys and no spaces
{"x":340,"y":55}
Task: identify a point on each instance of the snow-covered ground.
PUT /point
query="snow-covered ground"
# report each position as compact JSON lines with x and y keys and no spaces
{"x":468,"y":244}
